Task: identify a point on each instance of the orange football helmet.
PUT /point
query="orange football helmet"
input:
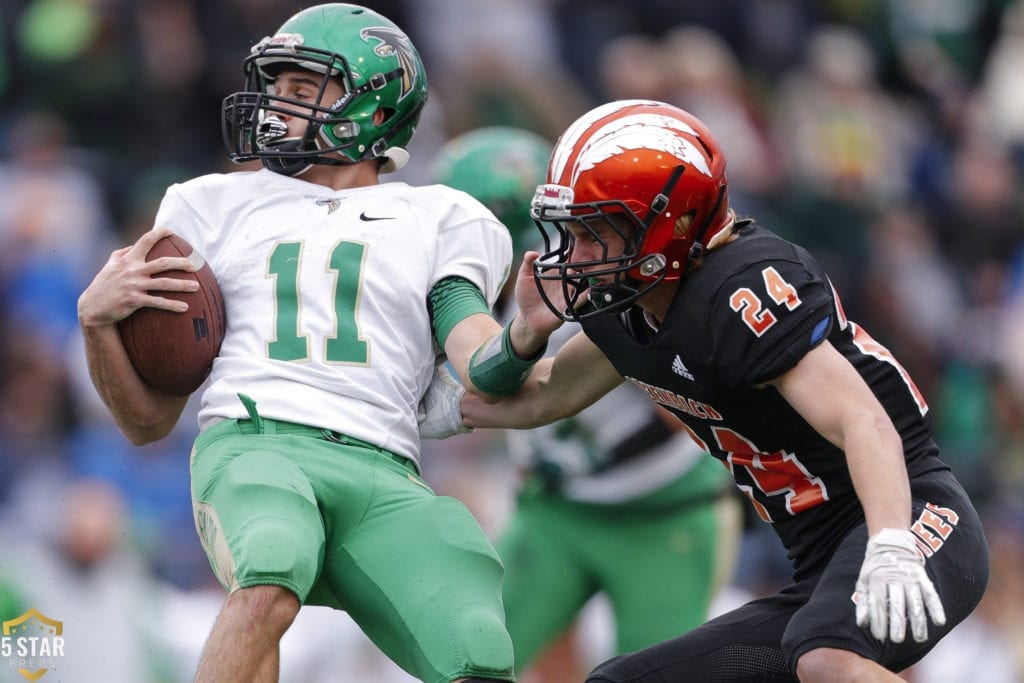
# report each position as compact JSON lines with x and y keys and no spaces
{"x":652,"y":173}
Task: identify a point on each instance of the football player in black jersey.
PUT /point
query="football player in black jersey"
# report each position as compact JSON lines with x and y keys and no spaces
{"x":742,"y":336}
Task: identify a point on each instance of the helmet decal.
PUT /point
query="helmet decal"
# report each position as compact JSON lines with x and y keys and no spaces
{"x":643,"y":131}
{"x":571,"y":137}
{"x":288,"y":41}
{"x":394,"y":43}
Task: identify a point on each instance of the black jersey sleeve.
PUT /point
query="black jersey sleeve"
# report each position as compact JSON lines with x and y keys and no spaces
{"x":767,"y":316}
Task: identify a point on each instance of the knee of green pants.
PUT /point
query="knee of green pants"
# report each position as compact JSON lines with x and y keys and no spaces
{"x":275,"y":553}
{"x":270,"y":520}
{"x":481,"y":636}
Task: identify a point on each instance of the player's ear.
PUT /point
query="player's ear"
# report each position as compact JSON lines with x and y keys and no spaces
{"x":681,"y":228}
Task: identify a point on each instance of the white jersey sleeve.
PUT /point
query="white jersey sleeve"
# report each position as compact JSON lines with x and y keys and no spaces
{"x":326,"y":294}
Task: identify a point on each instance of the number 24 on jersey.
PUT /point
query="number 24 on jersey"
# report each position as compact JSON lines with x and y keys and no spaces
{"x":751,"y":307}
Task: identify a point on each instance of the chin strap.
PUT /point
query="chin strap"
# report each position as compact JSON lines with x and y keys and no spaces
{"x":660,"y":201}
{"x":696,"y":255}
{"x":380,"y":148}
{"x":626,"y":288}
{"x":290,"y":166}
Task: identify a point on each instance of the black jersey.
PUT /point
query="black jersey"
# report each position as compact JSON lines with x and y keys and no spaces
{"x":747,"y":315}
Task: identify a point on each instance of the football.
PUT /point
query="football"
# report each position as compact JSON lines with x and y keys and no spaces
{"x":173,"y":352}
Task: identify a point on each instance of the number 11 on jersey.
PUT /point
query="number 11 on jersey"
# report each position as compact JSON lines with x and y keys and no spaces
{"x":289,"y":343}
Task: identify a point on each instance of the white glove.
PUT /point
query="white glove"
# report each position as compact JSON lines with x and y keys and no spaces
{"x":440,"y":410}
{"x":892,"y":585}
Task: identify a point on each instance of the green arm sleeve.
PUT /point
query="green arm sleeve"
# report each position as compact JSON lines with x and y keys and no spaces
{"x":451,"y":301}
{"x":495,"y":368}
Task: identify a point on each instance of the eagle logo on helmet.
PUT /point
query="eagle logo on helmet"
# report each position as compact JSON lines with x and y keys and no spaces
{"x":394,"y":43}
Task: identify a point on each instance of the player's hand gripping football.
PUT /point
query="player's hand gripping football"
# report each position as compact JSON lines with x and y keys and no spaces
{"x":893,"y":586}
{"x":440,"y":410}
{"x":126,"y":283}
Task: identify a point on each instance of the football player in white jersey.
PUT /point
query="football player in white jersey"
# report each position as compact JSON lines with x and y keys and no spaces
{"x":341,"y":291}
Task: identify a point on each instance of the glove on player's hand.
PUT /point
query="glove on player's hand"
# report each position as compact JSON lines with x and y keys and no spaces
{"x":440,"y":411}
{"x":893,"y":586}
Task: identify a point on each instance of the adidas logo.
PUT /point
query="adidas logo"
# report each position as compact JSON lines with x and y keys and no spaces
{"x":679,"y":368}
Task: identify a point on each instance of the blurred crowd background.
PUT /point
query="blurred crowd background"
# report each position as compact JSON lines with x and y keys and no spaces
{"x":887,"y":136}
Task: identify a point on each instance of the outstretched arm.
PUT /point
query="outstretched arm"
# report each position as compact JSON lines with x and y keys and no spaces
{"x":577,"y":376}
{"x":485,"y":364}
{"x":123,"y":285}
{"x":490,"y":360}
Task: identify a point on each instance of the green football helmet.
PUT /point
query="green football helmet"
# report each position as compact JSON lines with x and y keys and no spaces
{"x":501,"y":167}
{"x":378,"y":67}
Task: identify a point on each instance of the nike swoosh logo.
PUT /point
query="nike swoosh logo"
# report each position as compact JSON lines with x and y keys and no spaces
{"x":364,"y":217}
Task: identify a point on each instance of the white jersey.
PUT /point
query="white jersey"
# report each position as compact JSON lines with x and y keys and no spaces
{"x":326,"y":294}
